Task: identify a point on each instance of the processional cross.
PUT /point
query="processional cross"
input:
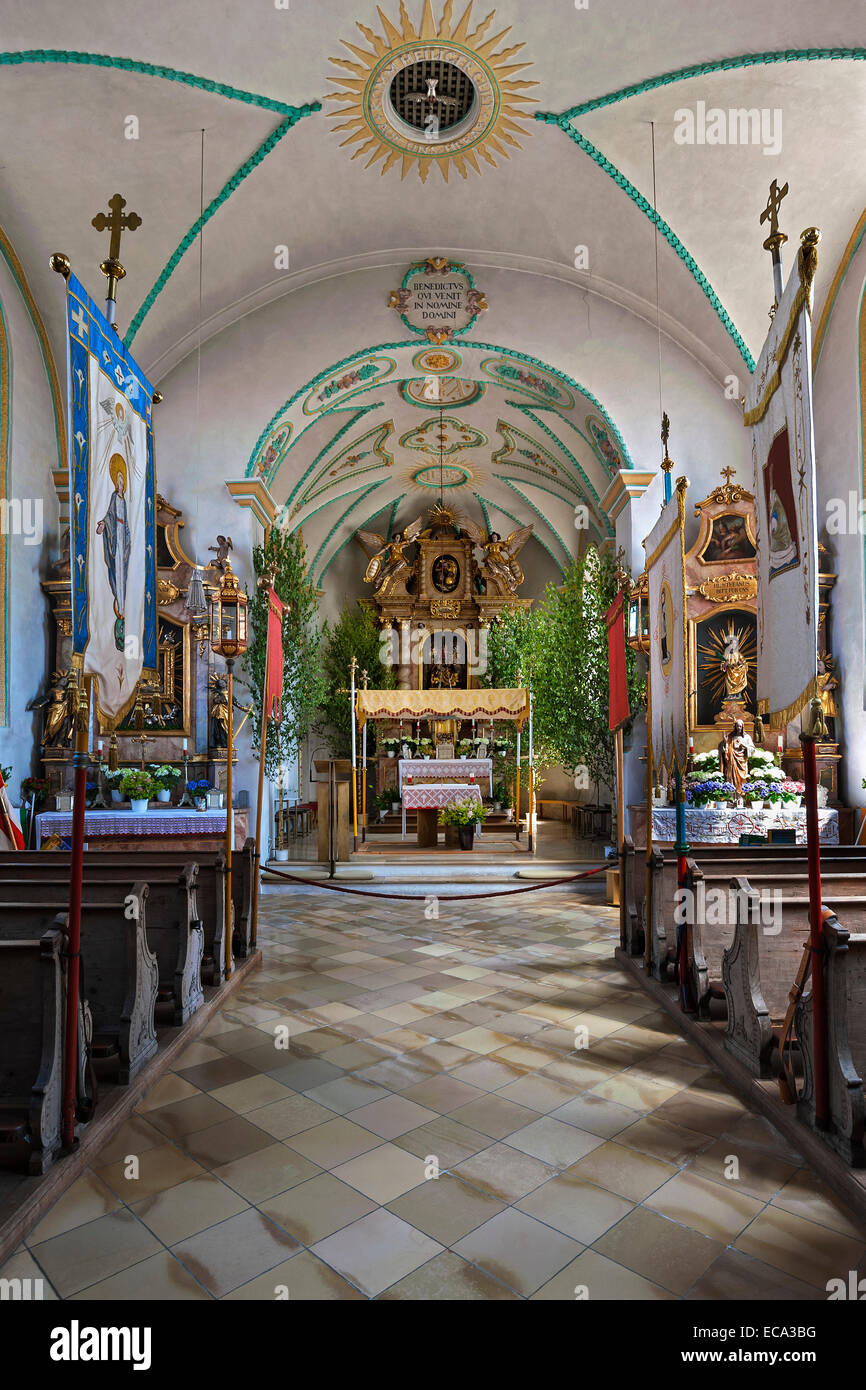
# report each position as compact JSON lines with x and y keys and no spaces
{"x":776,"y":239}
{"x":116,"y":221}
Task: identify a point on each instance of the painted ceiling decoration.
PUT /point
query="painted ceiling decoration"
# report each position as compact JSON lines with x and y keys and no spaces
{"x":438,"y":299}
{"x":443,"y":436}
{"x":448,"y":392}
{"x":433,"y":95}
{"x":360,"y":456}
{"x":370,"y":368}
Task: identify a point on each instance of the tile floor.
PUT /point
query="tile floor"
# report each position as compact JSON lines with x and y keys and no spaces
{"x":293,"y":1151}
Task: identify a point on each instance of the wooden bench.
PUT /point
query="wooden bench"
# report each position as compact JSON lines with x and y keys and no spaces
{"x":760,"y":965}
{"x":120,"y":973}
{"x":845,"y":990}
{"x":210,"y":888}
{"x":31,"y":1046}
{"x":174,"y":932}
{"x":711,"y":921}
{"x":630,"y":866}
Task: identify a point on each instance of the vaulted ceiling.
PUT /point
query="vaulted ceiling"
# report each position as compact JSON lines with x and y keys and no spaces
{"x":99,"y":97}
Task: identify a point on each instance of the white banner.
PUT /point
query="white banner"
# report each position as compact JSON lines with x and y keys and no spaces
{"x":779,"y":412}
{"x":668,"y":704}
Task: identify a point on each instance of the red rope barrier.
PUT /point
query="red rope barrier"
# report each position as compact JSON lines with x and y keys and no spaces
{"x":442,"y":897}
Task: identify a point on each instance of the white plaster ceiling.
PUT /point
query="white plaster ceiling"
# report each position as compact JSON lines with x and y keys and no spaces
{"x":67,"y":154}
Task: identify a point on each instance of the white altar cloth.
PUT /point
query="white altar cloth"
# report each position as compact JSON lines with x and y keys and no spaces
{"x":725,"y":825}
{"x":153,"y":822}
{"x":445,"y":769}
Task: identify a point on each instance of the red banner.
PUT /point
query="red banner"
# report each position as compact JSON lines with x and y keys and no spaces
{"x":274,"y":673}
{"x":618,"y":709}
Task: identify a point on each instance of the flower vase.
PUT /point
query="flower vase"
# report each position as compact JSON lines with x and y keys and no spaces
{"x":138,"y":805}
{"x":466,"y":836}
{"x":164,"y":795}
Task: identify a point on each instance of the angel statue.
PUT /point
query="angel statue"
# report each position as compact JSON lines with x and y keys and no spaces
{"x":58,"y":718}
{"x":221,"y":550}
{"x":499,"y":570}
{"x":388,"y":565}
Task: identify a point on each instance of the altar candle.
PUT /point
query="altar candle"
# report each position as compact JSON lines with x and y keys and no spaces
{"x":184,"y":745}
{"x":779,"y":743}
{"x":99,"y":745}
{"x":691,"y":743}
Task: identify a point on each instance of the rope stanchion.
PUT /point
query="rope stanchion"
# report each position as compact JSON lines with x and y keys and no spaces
{"x":442,"y":897}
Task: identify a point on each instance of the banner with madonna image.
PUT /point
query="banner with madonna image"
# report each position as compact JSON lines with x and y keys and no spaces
{"x":668,"y":703}
{"x":778,"y":411}
{"x":112,"y":509}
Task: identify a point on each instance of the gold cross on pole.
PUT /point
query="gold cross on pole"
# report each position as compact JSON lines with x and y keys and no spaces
{"x":667,"y":461}
{"x":116,"y":221}
{"x":771,"y":212}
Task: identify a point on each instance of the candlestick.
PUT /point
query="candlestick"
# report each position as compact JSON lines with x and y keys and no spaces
{"x":184,"y":745}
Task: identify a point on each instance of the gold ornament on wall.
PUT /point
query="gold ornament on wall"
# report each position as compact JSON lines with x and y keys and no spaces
{"x":441,"y":95}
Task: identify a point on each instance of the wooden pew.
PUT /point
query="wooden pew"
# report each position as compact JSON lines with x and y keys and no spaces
{"x":174,"y":932}
{"x":760,"y":966}
{"x":711,"y":931}
{"x":120,"y":974}
{"x":630,"y":866}
{"x":31,"y":1045}
{"x":845,"y":990}
{"x":211,"y":891}
{"x":729,"y":861}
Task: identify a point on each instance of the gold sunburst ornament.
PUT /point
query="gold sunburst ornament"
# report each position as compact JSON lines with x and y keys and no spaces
{"x":433,"y":95}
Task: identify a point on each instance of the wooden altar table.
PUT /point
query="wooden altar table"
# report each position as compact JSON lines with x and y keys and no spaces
{"x":165,"y":828}
{"x":422,"y":797}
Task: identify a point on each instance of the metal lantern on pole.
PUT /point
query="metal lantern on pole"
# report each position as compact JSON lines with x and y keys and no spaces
{"x":228,"y":639}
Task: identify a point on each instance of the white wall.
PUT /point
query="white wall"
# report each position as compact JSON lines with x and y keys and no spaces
{"x":32,"y":457}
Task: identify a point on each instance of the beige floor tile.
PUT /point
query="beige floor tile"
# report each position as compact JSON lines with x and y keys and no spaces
{"x":492,"y":1114}
{"x":802,"y":1248}
{"x":526,"y":1056}
{"x":445,"y":1138}
{"x":392,"y":1116}
{"x":487,"y":1074}
{"x":481,"y":1040}
{"x":442,"y":1093}
{"x":190,"y":1207}
{"x":134,"y":1137}
{"x":449,"y":1278}
{"x":198,"y":1111}
{"x":226,"y":1141}
{"x":251,"y":1094}
{"x":384,"y":1173}
{"x":265,"y":1173}
{"x":90,"y":1253}
{"x":235,"y":1251}
{"x":636,"y":1092}
{"x":518,"y":1250}
{"x":717,"y":1210}
{"x":593,"y":1113}
{"x":554,"y":1142}
{"x":671,"y":1255}
{"x":445,"y":1208}
{"x":316,"y":1208}
{"x":344,"y":1094}
{"x":626,"y":1172}
{"x":759,"y":1172}
{"x":578,"y":1072}
{"x":161,"y":1278}
{"x":156,"y":1170}
{"x":806,"y":1195}
{"x":196,"y":1053}
{"x":377,"y":1251}
{"x":541,"y":1093}
{"x":22,"y":1266}
{"x":576,"y":1207}
{"x":334,"y":1142}
{"x":593,"y":1278}
{"x":505,"y":1173}
{"x":693,"y":1110}
{"x":304,"y":1278}
{"x":168,"y":1089}
{"x":655,"y":1135}
{"x":285,"y":1118}
{"x":85,"y":1200}
{"x":735,"y":1277}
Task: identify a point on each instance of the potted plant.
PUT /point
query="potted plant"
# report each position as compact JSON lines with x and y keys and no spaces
{"x":198,"y":791}
{"x":425,"y":746}
{"x":756,"y":794}
{"x":792,"y":792}
{"x":35,"y":788}
{"x":138,"y":785}
{"x":165,"y":778}
{"x":465,"y":815}
{"x":383,"y":802}
{"x":112,"y":781}
{"x":464,"y":747}
{"x":390,"y":746}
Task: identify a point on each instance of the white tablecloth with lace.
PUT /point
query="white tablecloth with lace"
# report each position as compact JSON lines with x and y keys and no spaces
{"x":445,"y":769}
{"x":724,"y":826}
{"x":433,"y":796}
{"x":103,"y":823}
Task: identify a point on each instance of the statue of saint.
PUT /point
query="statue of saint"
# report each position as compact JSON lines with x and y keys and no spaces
{"x":735,"y":667}
{"x":58,"y":717}
{"x":735,"y":750}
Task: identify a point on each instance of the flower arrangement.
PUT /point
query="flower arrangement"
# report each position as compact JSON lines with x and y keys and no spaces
{"x":791,"y":790}
{"x":137,"y":785}
{"x":201,"y":787}
{"x":423,"y":746}
{"x":390,"y":746}
{"x":708,"y":792}
{"x":164,"y":775}
{"x":464,"y":747}
{"x":462,"y":813}
{"x":36,"y":787}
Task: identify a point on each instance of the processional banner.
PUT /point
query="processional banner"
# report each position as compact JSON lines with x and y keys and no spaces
{"x":274,"y":673}
{"x":779,"y":412}
{"x":618,"y":707}
{"x":668,"y":705}
{"x":112,"y":525}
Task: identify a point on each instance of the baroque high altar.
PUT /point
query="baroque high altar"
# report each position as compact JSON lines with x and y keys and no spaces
{"x":438,"y":587}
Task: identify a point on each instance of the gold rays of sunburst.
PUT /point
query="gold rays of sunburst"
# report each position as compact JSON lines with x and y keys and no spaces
{"x":502,"y":96}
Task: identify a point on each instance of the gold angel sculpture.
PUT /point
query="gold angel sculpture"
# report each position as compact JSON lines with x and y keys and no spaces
{"x":499,"y":569}
{"x":388,"y":565}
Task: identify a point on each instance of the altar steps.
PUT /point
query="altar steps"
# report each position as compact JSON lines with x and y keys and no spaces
{"x":496,"y":823}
